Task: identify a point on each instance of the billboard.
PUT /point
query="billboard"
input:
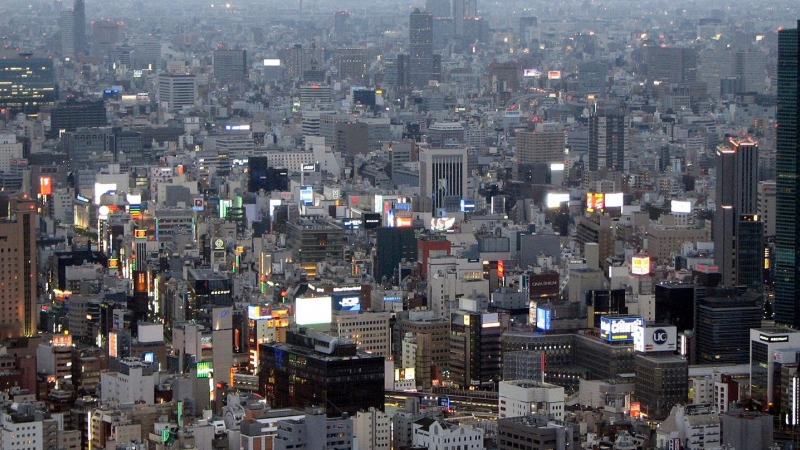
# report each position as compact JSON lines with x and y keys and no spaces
{"x":313,"y":310}
{"x":352,"y":224}
{"x":543,"y":318}
{"x":45,"y":185}
{"x":555,"y":199}
{"x":615,"y":200}
{"x":543,"y":285}
{"x":680,"y":207}
{"x":308,"y":168}
{"x":307,"y":195}
{"x":531,"y":73}
{"x":346,"y":301}
{"x":102,"y":188}
{"x":595,"y":201}
{"x":198,"y":204}
{"x":372,"y":220}
{"x":467,"y":205}
{"x":151,"y":332}
{"x":442,"y":223}
{"x":554,"y":74}
{"x":402,"y":222}
{"x":204,"y":369}
{"x":258,"y":312}
{"x":640,"y":265}
{"x":655,"y":339}
{"x":272,"y":62}
{"x":140,"y":233}
{"x":619,"y":328}
{"x":556,"y":167}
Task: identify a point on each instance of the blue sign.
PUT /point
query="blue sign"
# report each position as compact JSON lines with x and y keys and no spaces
{"x":660,"y":336}
{"x":543,"y":319}
{"x":402,"y":207}
{"x":443,"y":401}
{"x":619,"y":328}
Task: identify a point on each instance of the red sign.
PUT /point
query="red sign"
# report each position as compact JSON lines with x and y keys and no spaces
{"x":501,"y":269}
{"x":140,"y":234}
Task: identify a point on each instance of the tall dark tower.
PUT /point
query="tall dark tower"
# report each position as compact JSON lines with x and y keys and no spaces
{"x":420,"y":35}
{"x":787,"y":230}
{"x":608,"y":140}
{"x":738,"y":232}
{"x":79,"y":11}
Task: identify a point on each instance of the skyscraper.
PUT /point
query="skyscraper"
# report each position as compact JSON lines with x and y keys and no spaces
{"x":737,"y":212}
{"x":443,"y":176}
{"x":230,"y":66}
{"x":463,"y":9}
{"x":608,"y":140}
{"x":420,"y":35}
{"x":79,"y":24}
{"x":787,"y":247}
{"x":18,"y":275}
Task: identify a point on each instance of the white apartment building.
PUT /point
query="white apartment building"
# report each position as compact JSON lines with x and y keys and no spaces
{"x":134,"y":382}
{"x":372,"y":429}
{"x":430,"y":433}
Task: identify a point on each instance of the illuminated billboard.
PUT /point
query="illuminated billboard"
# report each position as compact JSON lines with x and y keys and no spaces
{"x":45,"y":186}
{"x":272,"y":62}
{"x":614,"y":200}
{"x":312,"y":310}
{"x":680,"y":207}
{"x":442,"y":223}
{"x":655,"y":339}
{"x":346,"y":301}
{"x":140,"y":233}
{"x":352,"y":224}
{"x":259,"y":312}
{"x":595,"y":201}
{"x":619,"y":328}
{"x":554,"y":74}
{"x":307,"y":195}
{"x":103,"y":188}
{"x":640,"y":265}
{"x":402,"y":222}
{"x":531,"y":73}
{"x":204,"y":369}
{"x":556,"y":167}
{"x":555,"y":199}
{"x":372,"y":220}
{"x":542,"y":318}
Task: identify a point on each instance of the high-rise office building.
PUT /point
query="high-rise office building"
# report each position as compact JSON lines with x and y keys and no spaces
{"x":462,"y":10}
{"x":73,"y":114}
{"x":420,"y":35}
{"x":543,"y":145}
{"x":439,"y":8}
{"x":66,"y":25}
{"x":351,"y":63}
{"x":18,"y":274}
{"x":787,"y":226}
{"x":443,"y":175}
{"x":672,"y":64}
{"x":341,"y":20}
{"x":315,"y":369}
{"x":79,"y":13}
{"x":230,"y":66}
{"x":737,"y":212}
{"x":721,"y":317}
{"x":475,"y":356}
{"x":27,"y":82}
{"x":608,"y":141}
{"x":177,"y":91}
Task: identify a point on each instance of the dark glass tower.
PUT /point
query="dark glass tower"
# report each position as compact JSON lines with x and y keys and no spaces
{"x":420,"y":35}
{"x":79,"y":14}
{"x":787,"y":230}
